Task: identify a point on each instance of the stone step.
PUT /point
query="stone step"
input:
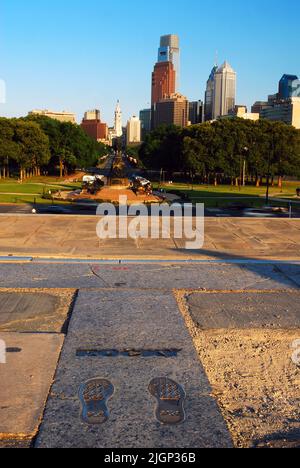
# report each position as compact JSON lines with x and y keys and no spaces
{"x":120,"y":321}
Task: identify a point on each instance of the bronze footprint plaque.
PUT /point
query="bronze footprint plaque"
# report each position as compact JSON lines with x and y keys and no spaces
{"x":170,"y":400}
{"x":94,"y":396}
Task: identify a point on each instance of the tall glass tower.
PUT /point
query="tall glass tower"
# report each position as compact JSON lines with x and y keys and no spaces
{"x":224,"y":90}
{"x":169,"y":51}
{"x":289,"y":86}
{"x":209,"y":95}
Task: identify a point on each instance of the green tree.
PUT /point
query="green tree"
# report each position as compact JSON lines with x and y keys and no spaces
{"x":33,"y":148}
{"x":9,"y":150}
{"x":70,"y":146}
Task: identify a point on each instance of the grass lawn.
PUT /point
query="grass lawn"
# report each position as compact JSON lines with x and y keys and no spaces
{"x":11,"y":191}
{"x":27,"y":199}
{"x":224,"y":195}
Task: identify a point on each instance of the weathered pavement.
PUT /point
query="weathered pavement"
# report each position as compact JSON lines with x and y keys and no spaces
{"x":25,"y":380}
{"x":131,"y":306}
{"x":75,"y":236}
{"x":32,"y":324}
{"x":248,"y":342}
{"x":134,"y":320}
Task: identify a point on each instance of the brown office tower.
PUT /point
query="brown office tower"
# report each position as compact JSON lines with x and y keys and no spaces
{"x":173,"y":110}
{"x":93,"y":126}
{"x":163,"y":81}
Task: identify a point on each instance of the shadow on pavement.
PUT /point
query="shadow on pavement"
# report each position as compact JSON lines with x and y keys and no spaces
{"x":289,"y":439}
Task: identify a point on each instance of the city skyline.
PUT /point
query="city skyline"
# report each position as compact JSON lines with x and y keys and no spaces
{"x":38,"y":75}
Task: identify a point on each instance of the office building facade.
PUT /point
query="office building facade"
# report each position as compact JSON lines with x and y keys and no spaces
{"x":289,"y":86}
{"x":209,"y":95}
{"x":241,"y":112}
{"x":169,"y":51}
{"x":258,"y":106}
{"x":173,"y":110}
{"x":196,"y":112}
{"x":163,"y":81}
{"x":133,"y":131}
{"x":287,"y":110}
{"x":93,"y":126}
{"x":60,"y":116}
{"x":224,"y":91}
{"x":94,"y":114}
{"x":145,"y":118}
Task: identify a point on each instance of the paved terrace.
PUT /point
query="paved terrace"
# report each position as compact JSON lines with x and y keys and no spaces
{"x":232,"y":323}
{"x":75,"y":236}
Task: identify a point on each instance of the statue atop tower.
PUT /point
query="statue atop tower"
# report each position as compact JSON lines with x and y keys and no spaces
{"x":118,"y":121}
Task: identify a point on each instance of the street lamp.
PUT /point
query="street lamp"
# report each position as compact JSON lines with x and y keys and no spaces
{"x":269,"y":170}
{"x":246,"y":149}
{"x":243,"y":169}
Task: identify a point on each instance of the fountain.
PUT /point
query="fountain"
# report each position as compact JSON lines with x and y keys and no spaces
{"x":117,"y":178}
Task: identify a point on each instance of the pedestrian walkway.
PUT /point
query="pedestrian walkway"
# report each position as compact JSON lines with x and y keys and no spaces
{"x":75,"y":236}
{"x":144,"y":346}
{"x":140,"y":329}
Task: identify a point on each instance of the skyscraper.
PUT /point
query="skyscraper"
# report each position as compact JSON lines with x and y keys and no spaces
{"x":118,"y":121}
{"x":196,"y":112}
{"x":163,"y":81}
{"x":145,"y":118}
{"x":289,"y":86}
{"x":173,"y":110}
{"x":209,"y":95}
{"x":133,"y":130}
{"x":224,"y":90}
{"x":169,"y":51}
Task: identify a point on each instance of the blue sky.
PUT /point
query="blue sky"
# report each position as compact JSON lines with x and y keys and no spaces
{"x":75,"y":55}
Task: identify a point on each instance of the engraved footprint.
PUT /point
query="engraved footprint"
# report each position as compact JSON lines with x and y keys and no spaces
{"x":170,"y":397}
{"x":94,"y":396}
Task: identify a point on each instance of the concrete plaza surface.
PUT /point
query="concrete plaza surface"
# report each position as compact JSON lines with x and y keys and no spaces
{"x":75,"y":236}
{"x":233,"y":319}
{"x":130,"y":320}
{"x":25,"y":381}
{"x":32,"y":324}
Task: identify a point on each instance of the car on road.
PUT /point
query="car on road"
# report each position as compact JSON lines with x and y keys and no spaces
{"x":266,"y":211}
{"x":54,"y":209}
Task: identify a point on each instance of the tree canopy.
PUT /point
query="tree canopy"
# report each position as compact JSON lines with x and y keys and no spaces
{"x":223,"y":147}
{"x":36,"y":142}
{"x":70,"y":146}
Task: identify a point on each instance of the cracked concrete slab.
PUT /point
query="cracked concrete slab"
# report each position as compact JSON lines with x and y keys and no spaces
{"x":245,"y":310}
{"x":150,"y":276}
{"x":23,"y":310}
{"x":25,"y":382}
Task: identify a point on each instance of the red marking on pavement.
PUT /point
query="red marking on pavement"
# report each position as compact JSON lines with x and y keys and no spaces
{"x":98,"y":268}
{"x":120,"y":268}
